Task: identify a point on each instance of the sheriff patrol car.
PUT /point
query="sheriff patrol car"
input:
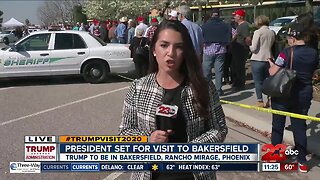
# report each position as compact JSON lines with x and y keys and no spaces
{"x":46,"y":53}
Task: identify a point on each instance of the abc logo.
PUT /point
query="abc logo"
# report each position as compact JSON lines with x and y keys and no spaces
{"x":291,"y":152}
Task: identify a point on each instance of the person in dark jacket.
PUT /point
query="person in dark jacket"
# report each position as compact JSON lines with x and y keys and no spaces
{"x":140,"y":60}
{"x":215,"y":47}
{"x":304,"y":62}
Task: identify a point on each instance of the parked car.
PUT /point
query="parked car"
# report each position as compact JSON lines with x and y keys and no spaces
{"x":278,"y":23}
{"x":30,"y":30}
{"x":46,"y":53}
{"x":8,"y":36}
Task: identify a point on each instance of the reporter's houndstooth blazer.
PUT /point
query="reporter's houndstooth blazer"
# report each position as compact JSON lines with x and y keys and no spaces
{"x":138,"y":117}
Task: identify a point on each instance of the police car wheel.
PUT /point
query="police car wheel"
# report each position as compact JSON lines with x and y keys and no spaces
{"x":95,"y":72}
{"x":6,"y":41}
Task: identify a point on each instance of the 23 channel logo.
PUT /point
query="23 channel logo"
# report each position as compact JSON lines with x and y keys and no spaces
{"x":277,"y":153}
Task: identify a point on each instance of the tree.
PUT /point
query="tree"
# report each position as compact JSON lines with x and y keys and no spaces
{"x":115,"y":9}
{"x":1,"y":19}
{"x":59,"y":11}
{"x":309,"y":5}
{"x":78,"y":15}
{"x":27,"y":22}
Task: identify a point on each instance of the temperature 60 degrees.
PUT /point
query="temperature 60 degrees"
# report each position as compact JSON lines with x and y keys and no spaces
{"x":288,"y":166}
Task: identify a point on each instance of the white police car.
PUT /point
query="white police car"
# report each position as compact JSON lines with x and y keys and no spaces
{"x":45,"y":53}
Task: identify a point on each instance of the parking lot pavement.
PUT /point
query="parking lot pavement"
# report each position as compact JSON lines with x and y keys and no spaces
{"x":70,"y":106}
{"x":48,"y":106}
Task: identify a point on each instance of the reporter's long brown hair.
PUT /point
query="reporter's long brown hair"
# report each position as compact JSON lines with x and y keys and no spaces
{"x":190,"y":66}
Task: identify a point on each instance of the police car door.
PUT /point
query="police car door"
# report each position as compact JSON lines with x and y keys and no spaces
{"x":30,"y":57}
{"x":69,"y":52}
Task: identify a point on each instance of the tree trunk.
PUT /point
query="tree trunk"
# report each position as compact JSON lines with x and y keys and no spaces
{"x":309,"y":5}
{"x":199,"y":20}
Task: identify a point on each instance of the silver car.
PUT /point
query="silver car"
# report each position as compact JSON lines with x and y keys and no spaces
{"x":8,"y":37}
{"x":278,"y":23}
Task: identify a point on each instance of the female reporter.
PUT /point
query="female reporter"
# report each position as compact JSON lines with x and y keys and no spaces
{"x":175,"y":82}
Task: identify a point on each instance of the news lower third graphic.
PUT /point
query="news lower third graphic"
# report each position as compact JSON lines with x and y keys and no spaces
{"x":48,"y":154}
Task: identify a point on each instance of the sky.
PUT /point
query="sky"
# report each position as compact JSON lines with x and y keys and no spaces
{"x":21,"y":10}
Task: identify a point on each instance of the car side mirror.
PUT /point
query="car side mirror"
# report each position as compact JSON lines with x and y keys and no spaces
{"x":13,"y":48}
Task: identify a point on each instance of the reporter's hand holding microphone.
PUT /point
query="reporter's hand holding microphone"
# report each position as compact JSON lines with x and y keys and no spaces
{"x":160,"y":136}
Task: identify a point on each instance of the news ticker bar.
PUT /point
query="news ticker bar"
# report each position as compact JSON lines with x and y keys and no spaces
{"x":158,"y":148}
{"x":85,"y":139}
{"x":39,"y":167}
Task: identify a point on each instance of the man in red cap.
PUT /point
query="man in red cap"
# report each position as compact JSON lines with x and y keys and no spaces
{"x":150,"y":31}
{"x":240,"y":50}
{"x":141,"y":25}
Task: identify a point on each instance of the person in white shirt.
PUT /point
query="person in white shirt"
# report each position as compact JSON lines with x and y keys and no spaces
{"x":91,"y":28}
{"x":82,"y":28}
{"x":141,"y":25}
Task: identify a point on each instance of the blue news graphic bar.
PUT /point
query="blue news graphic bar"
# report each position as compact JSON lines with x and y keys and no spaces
{"x":208,"y":167}
{"x":163,"y":167}
{"x":157,"y":148}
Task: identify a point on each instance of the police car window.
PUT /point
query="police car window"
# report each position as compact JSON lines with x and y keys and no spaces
{"x":68,"y":41}
{"x":37,"y":42}
{"x":78,"y":42}
{"x":63,"y":41}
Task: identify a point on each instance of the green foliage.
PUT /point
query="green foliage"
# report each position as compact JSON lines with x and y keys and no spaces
{"x":252,"y":28}
{"x":78,"y":15}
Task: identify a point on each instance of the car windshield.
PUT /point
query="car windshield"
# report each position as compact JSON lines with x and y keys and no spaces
{"x":99,"y":40}
{"x":280,"y":22}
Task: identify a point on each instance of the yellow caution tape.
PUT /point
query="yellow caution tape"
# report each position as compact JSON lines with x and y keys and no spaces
{"x":283,"y":113}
